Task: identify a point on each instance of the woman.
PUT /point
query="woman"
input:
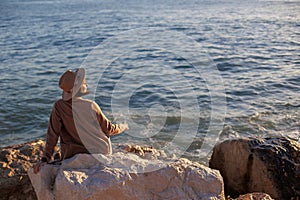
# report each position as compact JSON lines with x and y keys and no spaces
{"x":79,"y":123}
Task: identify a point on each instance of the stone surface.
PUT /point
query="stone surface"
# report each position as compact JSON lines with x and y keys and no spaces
{"x":14,"y":162}
{"x":255,"y":196}
{"x":127,"y":176}
{"x":270,"y":165}
{"x":147,"y":152}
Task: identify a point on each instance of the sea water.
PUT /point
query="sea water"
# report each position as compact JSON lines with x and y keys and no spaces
{"x":183,"y":74}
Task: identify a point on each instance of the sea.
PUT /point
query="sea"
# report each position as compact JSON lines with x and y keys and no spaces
{"x":184,"y":74}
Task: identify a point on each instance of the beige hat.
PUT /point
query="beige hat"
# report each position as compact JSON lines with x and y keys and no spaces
{"x":70,"y":82}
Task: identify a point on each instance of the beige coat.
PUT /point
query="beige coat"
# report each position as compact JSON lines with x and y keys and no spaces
{"x":82,"y":128}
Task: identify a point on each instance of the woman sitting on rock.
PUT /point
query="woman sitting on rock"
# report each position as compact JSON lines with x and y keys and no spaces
{"x":79,"y":123}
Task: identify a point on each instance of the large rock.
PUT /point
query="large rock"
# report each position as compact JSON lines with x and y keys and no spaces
{"x":255,"y":196}
{"x":126,"y":176}
{"x":14,"y":162}
{"x":270,"y":165}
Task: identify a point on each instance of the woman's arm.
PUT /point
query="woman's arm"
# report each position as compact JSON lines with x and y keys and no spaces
{"x":54,"y":127}
{"x":107,"y":127}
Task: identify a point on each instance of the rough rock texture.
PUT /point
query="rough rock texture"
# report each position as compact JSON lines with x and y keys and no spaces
{"x":147,"y":152}
{"x":270,"y":165}
{"x":254,"y":196}
{"x":14,"y":162}
{"x":117,"y":177}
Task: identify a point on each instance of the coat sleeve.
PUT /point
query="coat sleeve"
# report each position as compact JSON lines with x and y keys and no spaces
{"x":107,"y":127}
{"x":54,"y":129}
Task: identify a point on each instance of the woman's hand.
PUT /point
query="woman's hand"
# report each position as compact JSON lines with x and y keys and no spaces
{"x":124,"y":127}
{"x":37,"y":167}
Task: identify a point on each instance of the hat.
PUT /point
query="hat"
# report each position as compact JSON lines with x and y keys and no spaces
{"x":70,"y":82}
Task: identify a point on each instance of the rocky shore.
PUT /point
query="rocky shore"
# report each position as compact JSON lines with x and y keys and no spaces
{"x":243,"y":168}
{"x":270,"y":165}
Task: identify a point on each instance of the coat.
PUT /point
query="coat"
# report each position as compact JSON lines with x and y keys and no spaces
{"x":81,"y":127}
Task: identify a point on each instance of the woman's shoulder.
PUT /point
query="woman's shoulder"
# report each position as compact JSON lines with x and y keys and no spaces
{"x":59,"y":102}
{"x":71,"y":101}
{"x":77,"y":101}
{"x":87,"y":103}
{"x":84,"y":101}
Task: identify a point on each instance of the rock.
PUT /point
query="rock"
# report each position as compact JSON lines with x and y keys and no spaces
{"x":14,"y":162}
{"x":147,"y":152}
{"x":44,"y":182}
{"x":270,"y":165}
{"x":126,"y":176}
{"x":254,"y":196}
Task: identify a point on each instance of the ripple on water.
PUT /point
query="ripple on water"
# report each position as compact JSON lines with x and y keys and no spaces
{"x":255,"y":49}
